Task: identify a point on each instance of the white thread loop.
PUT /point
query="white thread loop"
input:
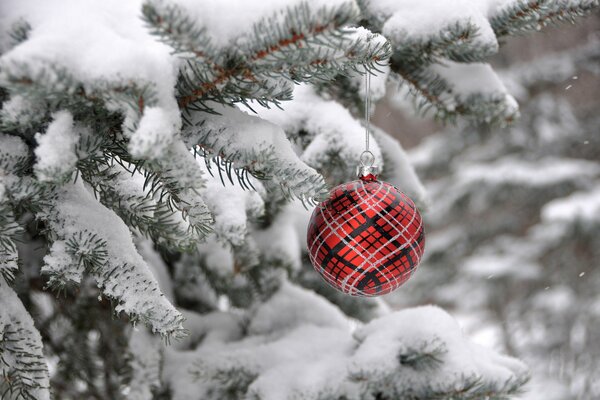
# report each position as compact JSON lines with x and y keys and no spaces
{"x":367,"y":108}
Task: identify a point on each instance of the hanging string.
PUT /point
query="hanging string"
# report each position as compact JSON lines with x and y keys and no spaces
{"x":367,"y":108}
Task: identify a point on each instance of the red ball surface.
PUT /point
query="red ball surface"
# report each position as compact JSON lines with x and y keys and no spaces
{"x":367,"y":238}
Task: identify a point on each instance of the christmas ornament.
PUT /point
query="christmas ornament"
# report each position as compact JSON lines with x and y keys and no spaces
{"x":367,"y":238}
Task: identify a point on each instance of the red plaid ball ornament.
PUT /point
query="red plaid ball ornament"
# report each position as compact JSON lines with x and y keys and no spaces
{"x":367,"y":238}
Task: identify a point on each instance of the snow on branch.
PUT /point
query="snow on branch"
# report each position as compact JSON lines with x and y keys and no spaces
{"x":89,"y":238}
{"x":232,"y":207}
{"x":430,"y":42}
{"x":139,"y":73}
{"x":256,"y":145}
{"x":434,"y":43}
{"x":300,"y":346}
{"x":581,"y":206}
{"x":125,"y":192}
{"x":23,"y":368}
{"x":55,"y":154}
{"x":269,"y":48}
{"x":324,"y":129}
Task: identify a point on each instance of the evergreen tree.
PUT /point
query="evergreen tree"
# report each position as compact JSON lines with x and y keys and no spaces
{"x":154,"y":163}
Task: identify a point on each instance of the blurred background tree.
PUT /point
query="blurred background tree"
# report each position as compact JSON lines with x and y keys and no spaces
{"x":514,"y":231}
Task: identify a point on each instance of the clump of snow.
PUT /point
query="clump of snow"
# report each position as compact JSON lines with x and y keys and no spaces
{"x":217,"y":256}
{"x":55,"y":153}
{"x":59,"y":266}
{"x":146,"y":363}
{"x":279,"y":242}
{"x":474,"y":78}
{"x":295,"y":307}
{"x":378,"y":79}
{"x":405,"y":19}
{"x":330,"y":126}
{"x":211,"y":329}
{"x":558,"y":299}
{"x":156,"y":131}
{"x":227,"y":28}
{"x":408,"y":330}
{"x":539,"y":173}
{"x":22,"y":111}
{"x":583,"y":206}
{"x":501,"y":265}
{"x":231,"y":205}
{"x":299,"y":345}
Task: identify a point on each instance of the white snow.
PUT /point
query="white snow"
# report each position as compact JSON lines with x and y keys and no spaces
{"x":532,"y":173}
{"x":295,"y":307}
{"x":558,"y":299}
{"x":335,"y":130}
{"x":259,"y":144}
{"x":229,"y":22}
{"x":409,"y":20}
{"x":99,"y":43}
{"x":299,"y":345}
{"x":55,"y":153}
{"x":124,"y":275}
{"x":583,"y":206}
{"x":501,"y":266}
{"x":410,"y":329}
{"x":473,"y":78}
{"x":231,"y":205}
{"x":20,"y":110}
{"x":279,"y":243}
{"x":155,"y":132}
{"x":217,"y":256}
{"x":378,"y":79}
{"x":146,"y":363}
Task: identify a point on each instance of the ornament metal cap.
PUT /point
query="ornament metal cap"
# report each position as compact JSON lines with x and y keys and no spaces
{"x":366,"y":170}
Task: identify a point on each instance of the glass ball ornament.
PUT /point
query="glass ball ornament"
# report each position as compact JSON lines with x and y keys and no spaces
{"x":367,"y":238}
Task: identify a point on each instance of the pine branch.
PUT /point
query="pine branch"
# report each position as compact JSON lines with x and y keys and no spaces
{"x":524,"y":16}
{"x":299,"y":45}
{"x":269,"y":157}
{"x":225,"y":383}
{"x":19,"y":32}
{"x":61,"y":90}
{"x":10,"y":232}
{"x":174,"y":27}
{"x":23,"y":369}
{"x":432,"y":93}
{"x":82,"y":244}
{"x":456,"y":42}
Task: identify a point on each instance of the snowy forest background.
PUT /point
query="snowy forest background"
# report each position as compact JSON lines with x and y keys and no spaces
{"x":513,"y":238}
{"x":158,"y":165}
